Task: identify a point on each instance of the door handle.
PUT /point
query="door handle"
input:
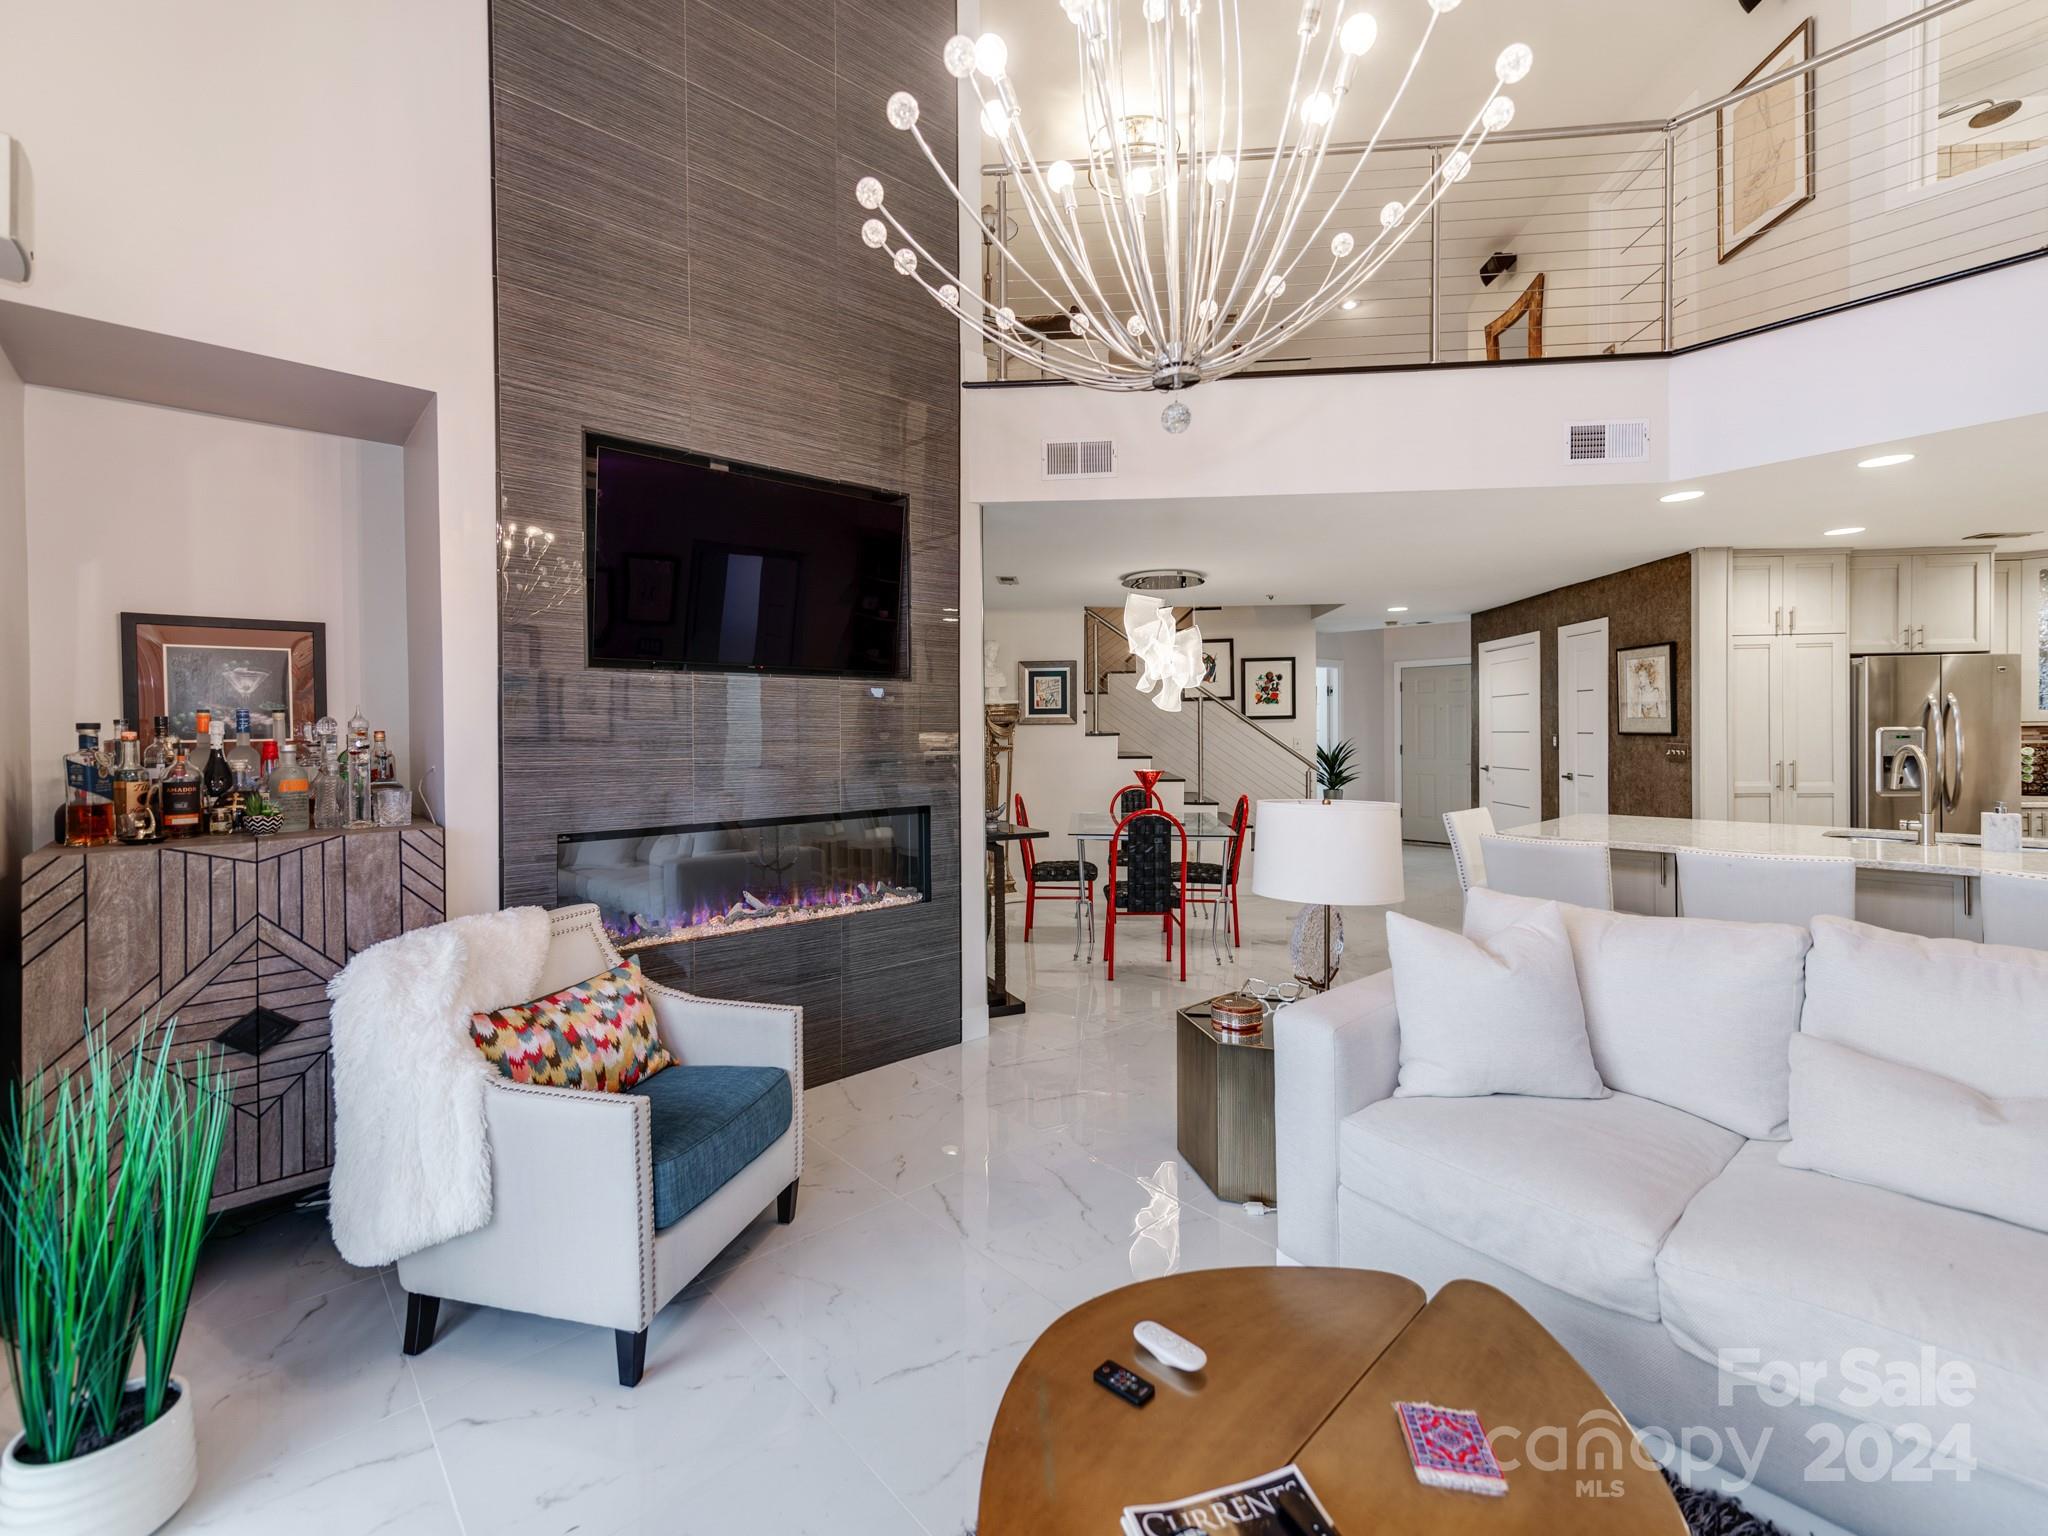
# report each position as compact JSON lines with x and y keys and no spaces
{"x":1486,"y":767}
{"x":1931,"y":735}
{"x":1906,"y":636}
{"x":1922,"y":641}
{"x":1778,"y":775}
{"x":1567,"y":777}
{"x":1952,"y":785}
{"x":1791,"y":621}
{"x":1777,"y":621}
{"x":1795,"y":774}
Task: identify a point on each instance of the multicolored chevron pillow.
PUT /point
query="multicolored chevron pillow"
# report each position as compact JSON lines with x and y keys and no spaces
{"x":599,"y":1034}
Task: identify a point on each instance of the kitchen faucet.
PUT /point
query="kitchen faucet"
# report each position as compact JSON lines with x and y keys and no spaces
{"x":1905,"y":753}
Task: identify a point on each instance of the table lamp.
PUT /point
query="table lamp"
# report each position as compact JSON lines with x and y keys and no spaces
{"x":1327,"y":854}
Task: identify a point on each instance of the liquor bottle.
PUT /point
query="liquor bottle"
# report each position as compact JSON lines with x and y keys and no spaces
{"x":243,"y":760}
{"x":330,"y":795}
{"x":202,"y":741}
{"x":383,"y":766}
{"x":134,"y":819}
{"x":218,"y":777}
{"x":157,"y":758}
{"x":360,"y":811}
{"x":179,"y":811}
{"x":88,"y":790}
{"x":291,"y":789}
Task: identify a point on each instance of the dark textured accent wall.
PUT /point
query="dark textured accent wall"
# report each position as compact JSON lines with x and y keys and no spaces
{"x":1643,"y":606}
{"x":679,"y":262}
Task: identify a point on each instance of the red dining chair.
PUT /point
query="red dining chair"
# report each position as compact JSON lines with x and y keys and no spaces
{"x":1053,"y":879}
{"x":1148,"y":887}
{"x":1218,"y":882}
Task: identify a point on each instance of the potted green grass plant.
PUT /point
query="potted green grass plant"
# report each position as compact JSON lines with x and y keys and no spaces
{"x":1334,"y":769}
{"x":105,"y":1176}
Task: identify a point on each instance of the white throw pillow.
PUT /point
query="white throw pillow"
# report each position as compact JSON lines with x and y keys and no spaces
{"x":1860,"y":1117}
{"x":1977,"y":1013}
{"x":1690,"y":1011}
{"x":1499,"y":1017}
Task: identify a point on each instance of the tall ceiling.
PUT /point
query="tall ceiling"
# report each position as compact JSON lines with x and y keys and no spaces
{"x":1443,"y":554}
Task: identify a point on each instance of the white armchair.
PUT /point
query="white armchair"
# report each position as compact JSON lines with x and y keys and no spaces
{"x":572,"y":1234}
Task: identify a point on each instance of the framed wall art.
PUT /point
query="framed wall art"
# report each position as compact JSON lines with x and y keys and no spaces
{"x":1219,"y":669}
{"x":177,"y":665}
{"x":1267,"y":687}
{"x":1045,"y":691}
{"x":1764,"y":148}
{"x":1646,"y":691}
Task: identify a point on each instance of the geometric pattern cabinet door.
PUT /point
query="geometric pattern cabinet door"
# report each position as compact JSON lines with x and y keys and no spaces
{"x":237,"y":937}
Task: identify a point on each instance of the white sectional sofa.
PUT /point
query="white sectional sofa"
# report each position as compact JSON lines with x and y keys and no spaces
{"x":1658,"y":1235}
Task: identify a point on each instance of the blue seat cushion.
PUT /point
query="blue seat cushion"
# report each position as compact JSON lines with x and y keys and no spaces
{"x":708,"y":1123}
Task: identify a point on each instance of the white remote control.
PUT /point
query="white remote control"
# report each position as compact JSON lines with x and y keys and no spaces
{"x":1169,"y":1347}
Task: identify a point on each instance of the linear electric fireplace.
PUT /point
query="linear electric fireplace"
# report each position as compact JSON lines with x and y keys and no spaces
{"x":671,"y":885}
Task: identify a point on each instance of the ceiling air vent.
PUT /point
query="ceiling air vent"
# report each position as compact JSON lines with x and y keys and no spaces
{"x":1607,"y":442}
{"x":1080,"y":461}
{"x":1993,"y":537}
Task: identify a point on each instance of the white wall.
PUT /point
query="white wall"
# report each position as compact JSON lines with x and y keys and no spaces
{"x":1281,"y":629}
{"x":310,"y":182}
{"x":17,"y":824}
{"x":1369,"y":703}
{"x":134,"y":508}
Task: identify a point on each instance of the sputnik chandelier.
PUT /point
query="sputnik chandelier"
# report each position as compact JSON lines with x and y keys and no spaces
{"x":1180,"y":279}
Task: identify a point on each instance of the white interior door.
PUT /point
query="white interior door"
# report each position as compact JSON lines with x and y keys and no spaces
{"x":1510,"y":720}
{"x":1582,"y":664}
{"x":1435,"y":747}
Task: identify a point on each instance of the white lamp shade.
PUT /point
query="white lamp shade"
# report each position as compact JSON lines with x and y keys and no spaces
{"x":1343,"y":853}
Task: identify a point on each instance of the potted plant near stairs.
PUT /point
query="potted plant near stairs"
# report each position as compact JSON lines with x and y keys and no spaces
{"x":105,"y":1177}
{"x":1335,"y":769}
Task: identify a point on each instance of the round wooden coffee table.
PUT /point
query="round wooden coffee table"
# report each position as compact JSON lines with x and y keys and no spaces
{"x":1305,"y":1366}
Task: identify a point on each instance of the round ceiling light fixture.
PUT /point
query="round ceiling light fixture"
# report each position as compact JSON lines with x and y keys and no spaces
{"x":1884,"y":461}
{"x":1836,"y":533}
{"x":1171,"y":579}
{"x":1678,"y":496}
{"x":1402,"y":609}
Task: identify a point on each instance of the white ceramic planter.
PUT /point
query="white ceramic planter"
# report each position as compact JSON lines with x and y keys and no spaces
{"x":129,"y":1488}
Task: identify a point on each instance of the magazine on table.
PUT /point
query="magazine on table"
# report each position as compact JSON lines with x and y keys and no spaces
{"x":1278,"y":1504}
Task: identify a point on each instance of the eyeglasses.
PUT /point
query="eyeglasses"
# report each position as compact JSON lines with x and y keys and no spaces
{"x":1275,"y":994}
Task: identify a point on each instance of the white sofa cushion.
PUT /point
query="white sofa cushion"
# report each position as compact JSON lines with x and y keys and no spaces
{"x":1497,"y":1017}
{"x":1577,"y":1193}
{"x":1977,"y":1013}
{"x":1689,"y":1011}
{"x":1796,"y":1266}
{"x":1860,"y":1117}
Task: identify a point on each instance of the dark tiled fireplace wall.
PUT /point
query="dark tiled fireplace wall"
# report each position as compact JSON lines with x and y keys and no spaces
{"x":679,"y":263}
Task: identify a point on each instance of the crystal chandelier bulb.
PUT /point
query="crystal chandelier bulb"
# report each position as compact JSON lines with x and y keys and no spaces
{"x":1060,"y":176}
{"x":868,"y":192}
{"x":1140,"y":182}
{"x":991,"y":55}
{"x":1341,"y":244}
{"x":906,"y":261}
{"x":1393,"y":214}
{"x":1136,"y":326}
{"x":1220,"y":169}
{"x":1175,"y":417}
{"x":959,"y":56}
{"x":1499,"y":113}
{"x":1006,"y":317}
{"x":1357,"y":34}
{"x":875,"y":234}
{"x":1206,"y":310}
{"x":902,"y":110}
{"x":1441,"y":6}
{"x":1275,"y":287}
{"x":995,"y":122}
{"x":949,"y":296}
{"x":1514,"y":62}
{"x":1080,"y":322}
{"x":1457,"y":165}
{"x":1318,"y":109}
{"x":1155,"y":10}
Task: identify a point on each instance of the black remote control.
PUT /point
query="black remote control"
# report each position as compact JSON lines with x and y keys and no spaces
{"x":1124,"y":1382}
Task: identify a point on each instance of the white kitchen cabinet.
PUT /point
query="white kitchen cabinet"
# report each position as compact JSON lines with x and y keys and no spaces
{"x":1788,"y":729}
{"x":1801,"y":593}
{"x":1928,"y":601}
{"x":2019,"y":595}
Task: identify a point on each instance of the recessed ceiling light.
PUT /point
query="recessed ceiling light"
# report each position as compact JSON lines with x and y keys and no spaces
{"x":1349,"y":304}
{"x":1397,"y":610}
{"x":1681,"y":496}
{"x":1836,"y":533}
{"x":1883,"y":461}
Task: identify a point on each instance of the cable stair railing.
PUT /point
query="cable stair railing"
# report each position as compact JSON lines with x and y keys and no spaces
{"x":1246,"y":756}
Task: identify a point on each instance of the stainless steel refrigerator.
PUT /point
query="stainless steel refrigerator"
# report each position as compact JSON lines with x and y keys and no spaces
{"x":1961,"y":710}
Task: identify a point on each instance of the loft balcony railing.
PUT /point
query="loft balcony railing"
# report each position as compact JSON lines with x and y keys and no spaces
{"x":1634,"y":228}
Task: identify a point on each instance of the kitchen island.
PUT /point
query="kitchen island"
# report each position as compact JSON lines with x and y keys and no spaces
{"x":1899,"y":884}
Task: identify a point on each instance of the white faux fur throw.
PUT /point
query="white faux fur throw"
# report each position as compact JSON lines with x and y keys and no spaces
{"x":411,"y":1167}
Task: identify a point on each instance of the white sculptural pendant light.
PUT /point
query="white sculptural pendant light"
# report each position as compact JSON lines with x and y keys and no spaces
{"x":1171,"y":278}
{"x":1169,"y":659}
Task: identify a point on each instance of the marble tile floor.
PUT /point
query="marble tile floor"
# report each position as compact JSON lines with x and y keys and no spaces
{"x":839,"y":1374}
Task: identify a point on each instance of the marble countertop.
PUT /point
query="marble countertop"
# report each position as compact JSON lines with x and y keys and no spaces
{"x":1665,"y":834}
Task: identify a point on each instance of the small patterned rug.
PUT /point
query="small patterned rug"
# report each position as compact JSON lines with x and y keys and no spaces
{"x":1715,"y":1514}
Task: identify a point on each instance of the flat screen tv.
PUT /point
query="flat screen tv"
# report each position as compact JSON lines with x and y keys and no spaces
{"x":702,"y":564}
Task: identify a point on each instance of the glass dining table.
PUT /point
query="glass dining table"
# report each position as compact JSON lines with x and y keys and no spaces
{"x":1209,"y":840}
